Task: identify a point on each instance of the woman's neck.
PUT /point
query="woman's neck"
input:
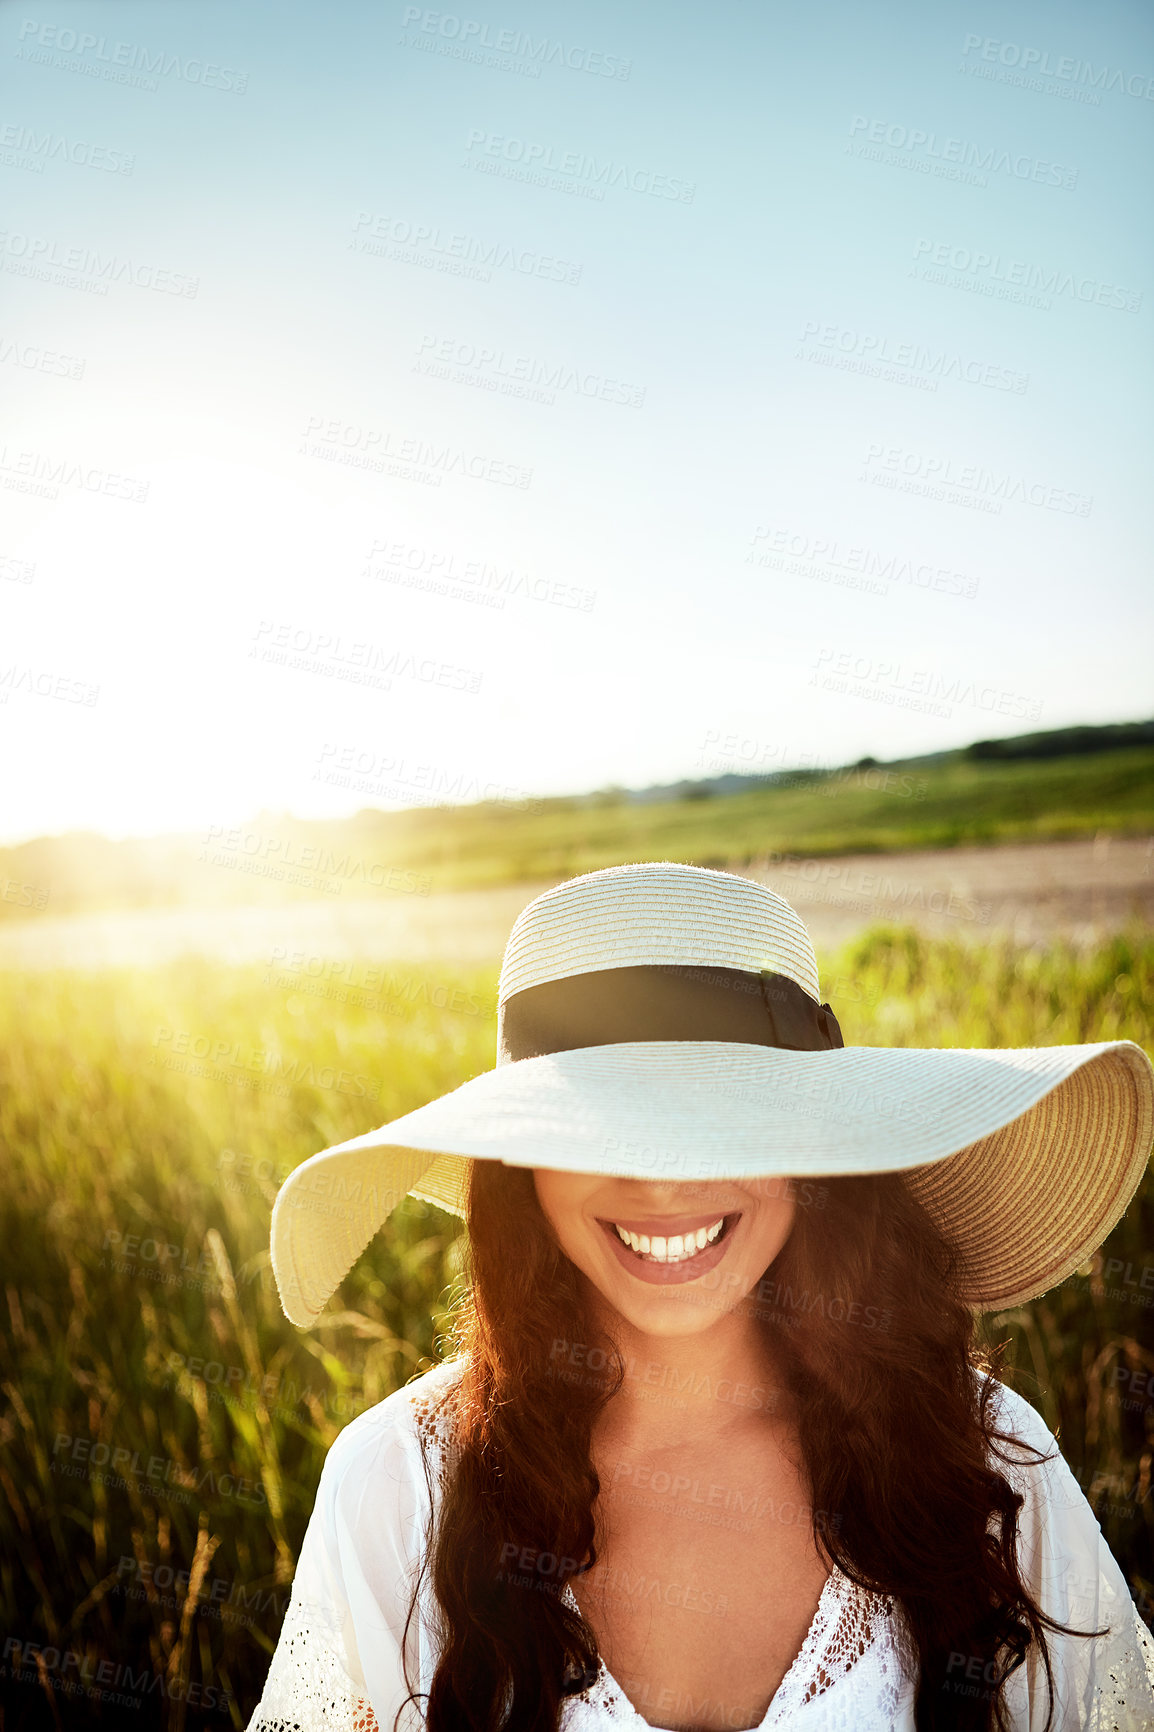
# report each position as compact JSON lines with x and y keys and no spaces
{"x":682,"y":1388}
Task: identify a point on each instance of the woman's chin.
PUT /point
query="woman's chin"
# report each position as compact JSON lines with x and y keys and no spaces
{"x":674,"y":1311}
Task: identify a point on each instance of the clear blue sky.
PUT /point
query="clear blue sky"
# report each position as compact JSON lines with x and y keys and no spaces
{"x":761,"y":385}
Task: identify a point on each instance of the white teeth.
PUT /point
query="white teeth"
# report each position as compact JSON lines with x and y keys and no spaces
{"x":677,"y":1249}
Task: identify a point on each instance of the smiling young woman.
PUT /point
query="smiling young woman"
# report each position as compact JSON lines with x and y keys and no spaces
{"x":716,"y":1451}
{"x":734,"y":1598}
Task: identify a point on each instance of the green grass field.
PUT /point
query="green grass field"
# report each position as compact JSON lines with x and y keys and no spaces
{"x":164,"y":1426}
{"x":882,"y":810}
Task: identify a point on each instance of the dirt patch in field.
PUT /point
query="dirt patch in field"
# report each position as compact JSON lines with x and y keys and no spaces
{"x":1082,"y":890}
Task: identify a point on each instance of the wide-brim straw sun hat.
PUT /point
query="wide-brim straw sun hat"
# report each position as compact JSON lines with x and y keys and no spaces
{"x":664,"y":1021}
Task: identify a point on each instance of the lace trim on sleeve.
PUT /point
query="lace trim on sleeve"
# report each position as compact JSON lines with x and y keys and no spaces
{"x":1123,"y":1680}
{"x":307,"y":1688}
{"x":315,"y":1681}
{"x":433,"y":1420}
{"x":1103,"y":1683}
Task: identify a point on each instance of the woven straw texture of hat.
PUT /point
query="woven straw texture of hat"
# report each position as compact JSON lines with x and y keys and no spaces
{"x":656,"y":912}
{"x":1026,"y":1157}
{"x":1026,"y":1202}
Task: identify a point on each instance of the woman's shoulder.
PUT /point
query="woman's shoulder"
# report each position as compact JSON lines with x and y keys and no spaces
{"x":1016,"y":1423}
{"x":1026,"y":1451}
{"x":390,"y":1439}
{"x":1029,"y":1456}
{"x":1075,"y":1578}
{"x":1012,"y":1411}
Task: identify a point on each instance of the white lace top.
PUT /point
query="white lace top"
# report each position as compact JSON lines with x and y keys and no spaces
{"x":338,"y":1665}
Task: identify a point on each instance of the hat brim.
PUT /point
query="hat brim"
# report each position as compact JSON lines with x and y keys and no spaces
{"x":1026,"y":1157}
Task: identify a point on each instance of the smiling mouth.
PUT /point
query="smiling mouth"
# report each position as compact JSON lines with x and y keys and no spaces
{"x":670,"y":1248}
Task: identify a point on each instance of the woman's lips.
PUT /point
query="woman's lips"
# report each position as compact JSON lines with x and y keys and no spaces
{"x":671,"y":1274}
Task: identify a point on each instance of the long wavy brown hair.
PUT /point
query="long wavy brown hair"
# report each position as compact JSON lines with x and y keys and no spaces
{"x":895,"y":1430}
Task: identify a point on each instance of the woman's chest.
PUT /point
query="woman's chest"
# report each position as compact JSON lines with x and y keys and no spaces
{"x":706,"y":1585}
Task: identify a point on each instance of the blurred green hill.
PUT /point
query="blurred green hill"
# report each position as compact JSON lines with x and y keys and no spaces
{"x":1066,"y":783}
